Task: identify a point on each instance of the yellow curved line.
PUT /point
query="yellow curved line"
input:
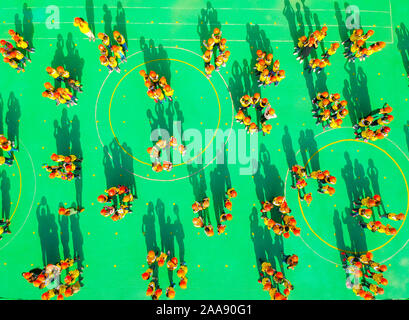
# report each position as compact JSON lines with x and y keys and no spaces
{"x":116,"y":87}
{"x":404,"y":178}
{"x":21,"y":186}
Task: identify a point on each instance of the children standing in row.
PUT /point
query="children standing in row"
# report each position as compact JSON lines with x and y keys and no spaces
{"x":215,"y":46}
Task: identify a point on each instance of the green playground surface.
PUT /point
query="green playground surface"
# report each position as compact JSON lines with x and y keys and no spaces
{"x":111,"y":126}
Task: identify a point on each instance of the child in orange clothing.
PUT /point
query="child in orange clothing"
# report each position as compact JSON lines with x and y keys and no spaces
{"x":84,"y":28}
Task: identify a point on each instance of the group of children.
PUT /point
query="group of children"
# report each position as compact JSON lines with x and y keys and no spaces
{"x":271,"y":279}
{"x":110,"y":53}
{"x":14,"y":57}
{"x":201,"y":207}
{"x":9,"y":147}
{"x":117,"y":51}
{"x":288,"y":223}
{"x":120,"y":202}
{"x":50,"y":276}
{"x":68,"y":167}
{"x":59,"y":95}
{"x":364,"y":208}
{"x":155,"y":153}
{"x":374,"y":126}
{"x":215,"y":45}
{"x":62,"y":95}
{"x":306,"y":45}
{"x":362,"y":270}
{"x":267,"y":70}
{"x":259,"y":104}
{"x":355,"y":45}
{"x":158,"y":88}
{"x":324,"y":178}
{"x":329,"y":110}
{"x":154,"y":261}
{"x":317,"y":65}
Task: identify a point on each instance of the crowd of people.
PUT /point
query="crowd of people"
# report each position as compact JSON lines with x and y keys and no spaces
{"x":156,"y":261}
{"x":364,"y":207}
{"x":324,"y":179}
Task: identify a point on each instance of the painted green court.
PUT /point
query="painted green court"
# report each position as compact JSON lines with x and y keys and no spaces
{"x":111,"y":126}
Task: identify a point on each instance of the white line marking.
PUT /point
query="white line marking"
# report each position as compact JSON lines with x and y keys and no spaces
{"x":390,"y":13}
